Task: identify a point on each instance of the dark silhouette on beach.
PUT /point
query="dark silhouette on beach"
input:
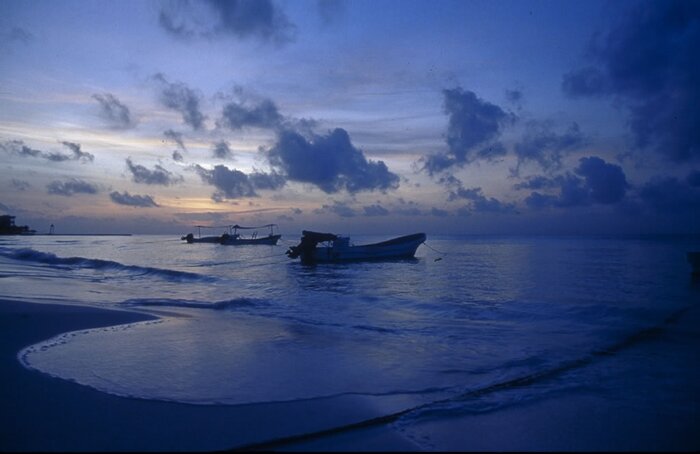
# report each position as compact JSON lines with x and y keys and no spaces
{"x":8,"y":227}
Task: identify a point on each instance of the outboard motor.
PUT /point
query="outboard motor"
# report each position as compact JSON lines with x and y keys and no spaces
{"x":307,"y":245}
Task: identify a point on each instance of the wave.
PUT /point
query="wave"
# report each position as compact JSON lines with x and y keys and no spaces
{"x":31,"y":255}
{"x":453,"y":404}
{"x":173,"y":302}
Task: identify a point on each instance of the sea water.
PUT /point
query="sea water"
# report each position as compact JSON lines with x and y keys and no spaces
{"x":472,"y":325}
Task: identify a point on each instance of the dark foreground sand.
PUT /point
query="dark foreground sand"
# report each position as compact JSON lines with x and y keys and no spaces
{"x":41,"y":413}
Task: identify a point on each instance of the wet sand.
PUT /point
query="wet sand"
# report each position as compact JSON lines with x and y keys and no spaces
{"x":42,"y":413}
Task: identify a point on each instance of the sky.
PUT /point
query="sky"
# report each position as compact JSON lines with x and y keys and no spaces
{"x":351,"y":116}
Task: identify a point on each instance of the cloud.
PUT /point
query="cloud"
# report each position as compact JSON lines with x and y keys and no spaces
{"x":71,"y":187}
{"x":339,"y":208}
{"x":242,"y":19}
{"x":144,"y":201}
{"x":545,"y":147}
{"x":158,"y":176}
{"x":222,"y":150}
{"x":76,"y":154}
{"x":18,"y":148}
{"x":375,"y":210}
{"x":17,"y":34}
{"x":114,"y":112}
{"x":606,"y":182}
{"x":177,"y":138}
{"x":234,"y":184}
{"x":537,"y":182}
{"x":263,"y":114}
{"x":473,"y":128}
{"x":181,"y":98}
{"x":478,"y":201}
{"x":515,"y":97}
{"x":593,"y":182}
{"x":270,"y":181}
{"x":670,"y":196}
{"x":330,"y":162}
{"x":20,"y":185}
{"x":648,"y":63}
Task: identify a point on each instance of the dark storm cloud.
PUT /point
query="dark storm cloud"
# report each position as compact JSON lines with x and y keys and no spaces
{"x":270,"y":181}
{"x":158,"y":176}
{"x":330,"y":162}
{"x":181,"y":98}
{"x":473,"y":128}
{"x":222,"y":150}
{"x":545,"y":147}
{"x":234,"y":184}
{"x":143,"y":201}
{"x":649,"y":63}
{"x":593,"y":182}
{"x":116,"y":114}
{"x":20,"y":149}
{"x":71,"y":187}
{"x":263,"y":114}
{"x":261,"y":19}
{"x":606,"y":182}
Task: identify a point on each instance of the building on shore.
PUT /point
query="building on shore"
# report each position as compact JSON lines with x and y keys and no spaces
{"x":8,"y":227}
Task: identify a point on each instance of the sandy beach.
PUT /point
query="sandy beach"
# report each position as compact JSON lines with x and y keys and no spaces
{"x":41,"y":413}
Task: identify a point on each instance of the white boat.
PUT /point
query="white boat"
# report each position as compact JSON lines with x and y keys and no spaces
{"x":337,"y":249}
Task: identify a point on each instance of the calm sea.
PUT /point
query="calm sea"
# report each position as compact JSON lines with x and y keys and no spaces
{"x":474,"y":324}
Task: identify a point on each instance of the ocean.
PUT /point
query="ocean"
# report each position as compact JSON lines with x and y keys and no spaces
{"x":473,"y":326}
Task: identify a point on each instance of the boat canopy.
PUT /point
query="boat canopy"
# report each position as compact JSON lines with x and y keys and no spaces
{"x":251,"y":228}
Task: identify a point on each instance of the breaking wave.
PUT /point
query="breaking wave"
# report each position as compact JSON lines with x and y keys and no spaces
{"x":47,"y":258}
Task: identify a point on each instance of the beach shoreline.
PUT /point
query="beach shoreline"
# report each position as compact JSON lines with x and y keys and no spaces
{"x":43,"y":413}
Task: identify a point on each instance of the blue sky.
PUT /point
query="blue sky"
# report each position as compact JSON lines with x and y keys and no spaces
{"x":541,"y":117}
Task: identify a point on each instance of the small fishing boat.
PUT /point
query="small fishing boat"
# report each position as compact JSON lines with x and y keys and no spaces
{"x":190,"y":238}
{"x":338,"y":248}
{"x":233,"y":238}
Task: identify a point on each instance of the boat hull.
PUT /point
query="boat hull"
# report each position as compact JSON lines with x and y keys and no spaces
{"x":205,"y":239}
{"x":399,"y":248}
{"x":269,"y":240}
